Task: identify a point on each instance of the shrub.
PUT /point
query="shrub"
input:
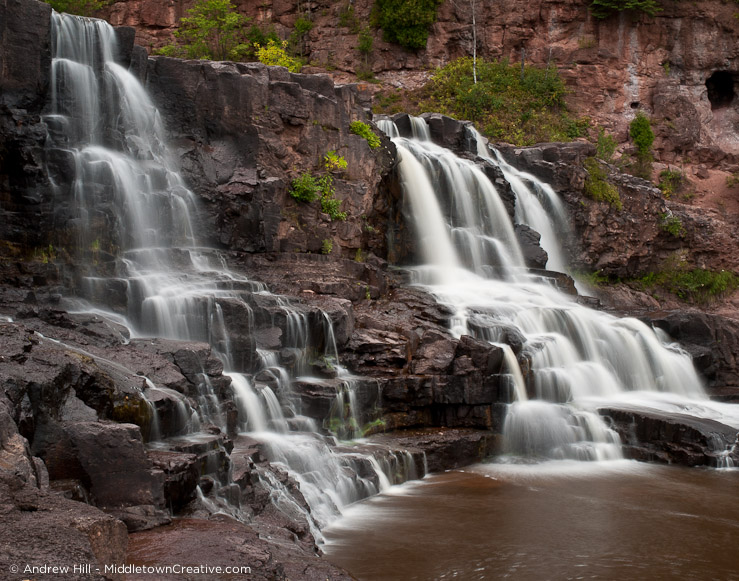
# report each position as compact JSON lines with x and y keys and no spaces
{"x":274,"y":54}
{"x":597,"y":186}
{"x":695,"y":285}
{"x":80,"y":7}
{"x":334,"y":162}
{"x":504,"y":104}
{"x":297,"y":37}
{"x":405,"y":22}
{"x":327,"y":246}
{"x":605,"y":147}
{"x":672,"y":225}
{"x":604,"y":8}
{"x":733,"y":180}
{"x":212,"y":30}
{"x":365,"y":131}
{"x":305,"y":188}
{"x":640,"y":131}
{"x":670,"y":182}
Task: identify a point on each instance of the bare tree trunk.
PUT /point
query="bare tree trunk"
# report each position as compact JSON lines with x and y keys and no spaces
{"x":474,"y":44}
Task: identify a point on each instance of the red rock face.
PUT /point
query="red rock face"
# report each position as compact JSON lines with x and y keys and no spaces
{"x":614,"y":67}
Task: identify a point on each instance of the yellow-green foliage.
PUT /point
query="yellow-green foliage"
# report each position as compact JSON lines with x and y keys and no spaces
{"x":505,"y":104}
{"x":275,"y":54}
{"x":597,"y":185}
{"x":365,"y":131}
{"x":81,"y":7}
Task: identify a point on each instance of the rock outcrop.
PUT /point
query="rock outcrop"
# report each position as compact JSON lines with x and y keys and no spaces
{"x":627,"y":62}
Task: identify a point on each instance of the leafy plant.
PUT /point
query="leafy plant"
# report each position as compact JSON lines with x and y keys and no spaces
{"x":506,"y":105}
{"x":365,"y":41}
{"x":670,"y":182}
{"x":365,"y":131}
{"x":605,"y":146}
{"x":405,"y":22}
{"x":640,"y":131}
{"x":602,"y":9}
{"x":275,"y":54}
{"x":303,"y":26}
{"x":333,"y":161}
{"x":597,"y":186}
{"x":733,"y":180}
{"x":213,"y":29}
{"x":80,"y":7}
{"x":695,"y":285}
{"x":305,"y":188}
{"x":327,"y":246}
{"x":671,"y":224}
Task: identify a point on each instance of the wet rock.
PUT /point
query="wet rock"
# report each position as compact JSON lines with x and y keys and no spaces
{"x":108,"y":458}
{"x":534,"y":255}
{"x":181,"y":476}
{"x":445,"y":448}
{"x":672,"y":438}
{"x":713,"y":342}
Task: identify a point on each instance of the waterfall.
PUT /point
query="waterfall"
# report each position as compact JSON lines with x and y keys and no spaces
{"x":579,"y":358}
{"x":134,"y":223}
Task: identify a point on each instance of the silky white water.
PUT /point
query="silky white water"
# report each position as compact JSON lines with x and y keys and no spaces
{"x":134,"y":222}
{"x":580,"y":358}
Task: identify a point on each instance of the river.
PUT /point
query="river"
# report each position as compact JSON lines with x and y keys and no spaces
{"x":556,"y":520}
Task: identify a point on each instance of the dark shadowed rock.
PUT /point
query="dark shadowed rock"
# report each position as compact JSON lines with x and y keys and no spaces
{"x":672,"y":438}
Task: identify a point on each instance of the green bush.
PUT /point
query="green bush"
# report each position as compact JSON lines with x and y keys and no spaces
{"x":597,"y":186}
{"x":695,"y":285}
{"x":733,"y":180}
{"x":606,"y":145}
{"x":212,"y":30}
{"x":640,"y":131}
{"x":504,"y":104}
{"x":405,"y":22}
{"x":297,"y":37}
{"x":365,"y":131}
{"x":672,"y":225}
{"x":670,"y":182}
{"x":305,"y":188}
{"x":80,"y":7}
{"x":274,"y":54}
{"x":604,"y":8}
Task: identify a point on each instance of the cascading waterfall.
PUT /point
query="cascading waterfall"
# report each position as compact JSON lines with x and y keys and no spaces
{"x":579,"y":358}
{"x":133,"y":220}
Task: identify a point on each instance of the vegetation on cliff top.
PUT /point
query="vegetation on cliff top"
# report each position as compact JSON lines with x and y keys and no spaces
{"x":405,"y":22}
{"x":81,"y":7}
{"x":519,"y":105}
{"x":602,"y":9}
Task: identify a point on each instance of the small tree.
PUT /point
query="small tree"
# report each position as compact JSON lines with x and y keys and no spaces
{"x":640,"y":131}
{"x":81,"y":7}
{"x":212,"y":30}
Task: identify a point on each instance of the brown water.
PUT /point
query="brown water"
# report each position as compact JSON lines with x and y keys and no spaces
{"x":559,"y":520}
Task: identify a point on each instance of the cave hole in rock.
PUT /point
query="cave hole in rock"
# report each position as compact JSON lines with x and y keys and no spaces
{"x":720,"y":87}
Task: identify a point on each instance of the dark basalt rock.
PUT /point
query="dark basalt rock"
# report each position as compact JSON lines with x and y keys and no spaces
{"x":673,"y":438}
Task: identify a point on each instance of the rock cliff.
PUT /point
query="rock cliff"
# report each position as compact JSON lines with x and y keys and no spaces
{"x":680,"y":66}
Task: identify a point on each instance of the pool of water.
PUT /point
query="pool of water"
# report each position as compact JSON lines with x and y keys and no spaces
{"x":556,"y":520}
